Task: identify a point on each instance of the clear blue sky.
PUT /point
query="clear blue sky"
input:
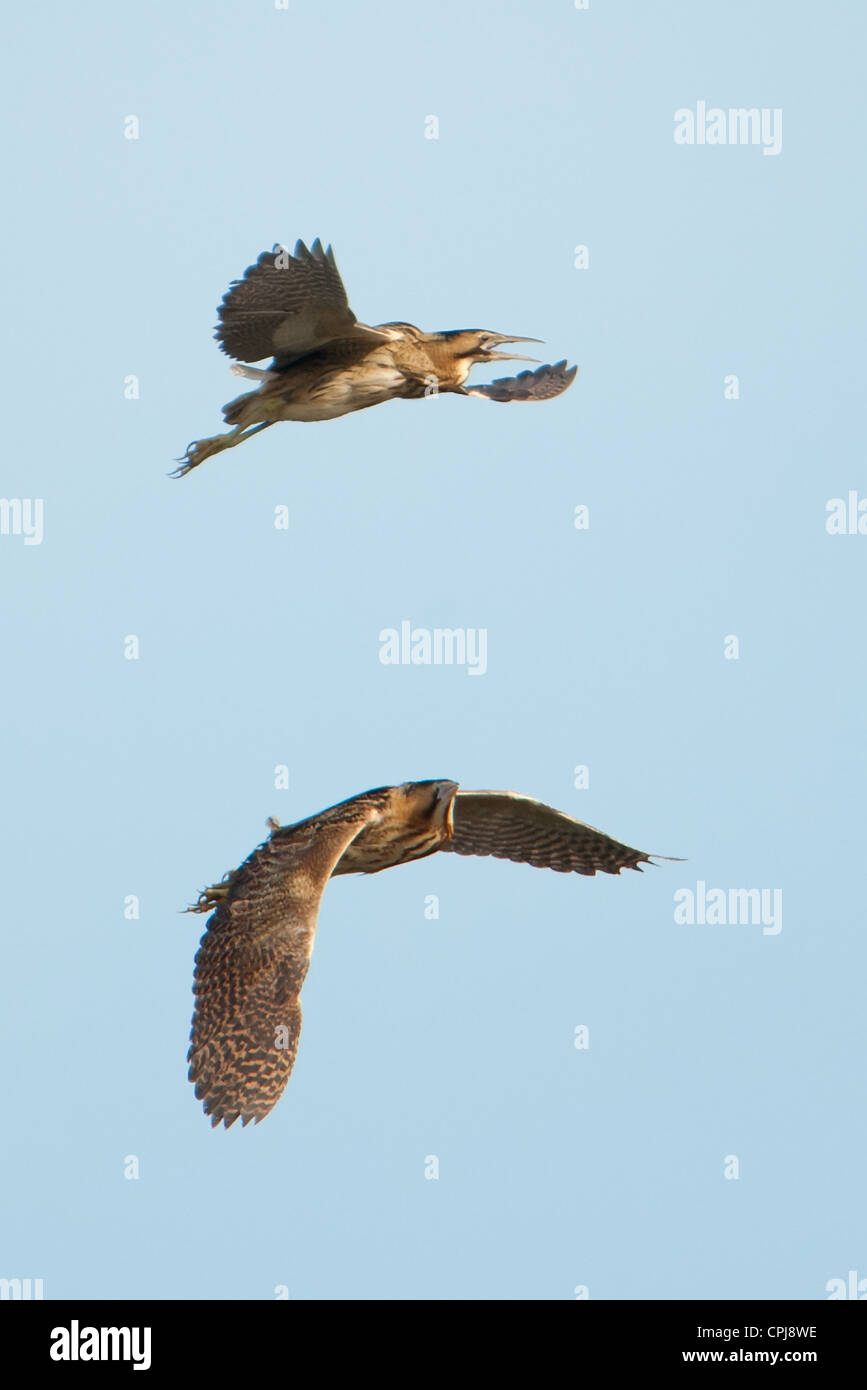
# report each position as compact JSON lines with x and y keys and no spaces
{"x":259,"y":647}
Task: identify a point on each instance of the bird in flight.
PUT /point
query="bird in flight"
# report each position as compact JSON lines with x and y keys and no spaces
{"x":255,"y":952}
{"x":294,"y":309}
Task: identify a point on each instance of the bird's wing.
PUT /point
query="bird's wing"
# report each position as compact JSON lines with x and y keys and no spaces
{"x":510,"y":826}
{"x":540,"y":385}
{"x":252,"y":961}
{"x":287,"y":306}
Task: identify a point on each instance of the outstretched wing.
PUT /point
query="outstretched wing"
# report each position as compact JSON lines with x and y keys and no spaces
{"x":540,"y":385}
{"x":510,"y":826}
{"x":252,"y":961}
{"x":287,"y":306}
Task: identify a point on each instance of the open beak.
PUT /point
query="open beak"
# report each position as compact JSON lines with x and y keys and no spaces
{"x":509,"y":356}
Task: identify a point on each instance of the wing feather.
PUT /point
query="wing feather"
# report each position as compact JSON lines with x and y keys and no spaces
{"x":287,"y":306}
{"x":510,"y":826}
{"x":540,"y":385}
{"x":252,"y":961}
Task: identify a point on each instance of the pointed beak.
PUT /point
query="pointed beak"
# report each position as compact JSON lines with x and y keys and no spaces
{"x":510,"y":356}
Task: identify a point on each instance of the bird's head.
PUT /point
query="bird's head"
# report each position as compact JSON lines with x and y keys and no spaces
{"x":429,"y":804}
{"x":480,"y":344}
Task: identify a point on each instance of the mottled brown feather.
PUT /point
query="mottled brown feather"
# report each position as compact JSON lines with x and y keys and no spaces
{"x":252,"y":961}
{"x":540,"y":385}
{"x":510,"y":826}
{"x":286,"y":306}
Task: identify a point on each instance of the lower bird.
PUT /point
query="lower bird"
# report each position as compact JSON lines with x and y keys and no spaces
{"x":294,"y":309}
{"x":255,"y":952}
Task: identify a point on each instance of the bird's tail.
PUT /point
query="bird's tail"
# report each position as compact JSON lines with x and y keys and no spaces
{"x":254,"y":373}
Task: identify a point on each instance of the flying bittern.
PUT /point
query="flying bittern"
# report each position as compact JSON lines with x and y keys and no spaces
{"x":256,"y":949}
{"x":325,"y":363}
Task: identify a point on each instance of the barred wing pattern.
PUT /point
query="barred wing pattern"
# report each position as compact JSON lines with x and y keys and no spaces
{"x":287,"y":306}
{"x":540,"y":385}
{"x":510,"y":826}
{"x":252,"y":961}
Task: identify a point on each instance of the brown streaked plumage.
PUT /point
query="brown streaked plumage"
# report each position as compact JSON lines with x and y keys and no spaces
{"x":294,"y":309}
{"x":253,"y":958}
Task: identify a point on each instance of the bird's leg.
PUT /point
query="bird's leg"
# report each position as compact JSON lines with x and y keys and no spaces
{"x":202,"y":449}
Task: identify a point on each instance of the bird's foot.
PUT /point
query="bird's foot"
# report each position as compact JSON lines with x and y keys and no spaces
{"x":198,"y":451}
{"x":202,"y":449}
{"x":213,"y":896}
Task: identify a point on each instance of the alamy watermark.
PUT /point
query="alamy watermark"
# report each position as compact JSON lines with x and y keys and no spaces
{"x":721,"y":907}
{"x":737,"y":125}
{"x":439,"y":646}
{"x":852,"y":1287}
{"x":77,"y":1343}
{"x":21,"y":1289}
{"x":846,"y":516}
{"x":22,"y":516}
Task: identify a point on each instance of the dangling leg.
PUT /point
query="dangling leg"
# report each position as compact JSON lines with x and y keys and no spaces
{"x":202,"y":449}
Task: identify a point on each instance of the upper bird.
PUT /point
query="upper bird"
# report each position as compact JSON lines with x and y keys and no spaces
{"x":294,"y":309}
{"x":254,"y":955}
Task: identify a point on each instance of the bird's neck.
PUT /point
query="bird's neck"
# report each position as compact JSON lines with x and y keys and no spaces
{"x":450,"y":369}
